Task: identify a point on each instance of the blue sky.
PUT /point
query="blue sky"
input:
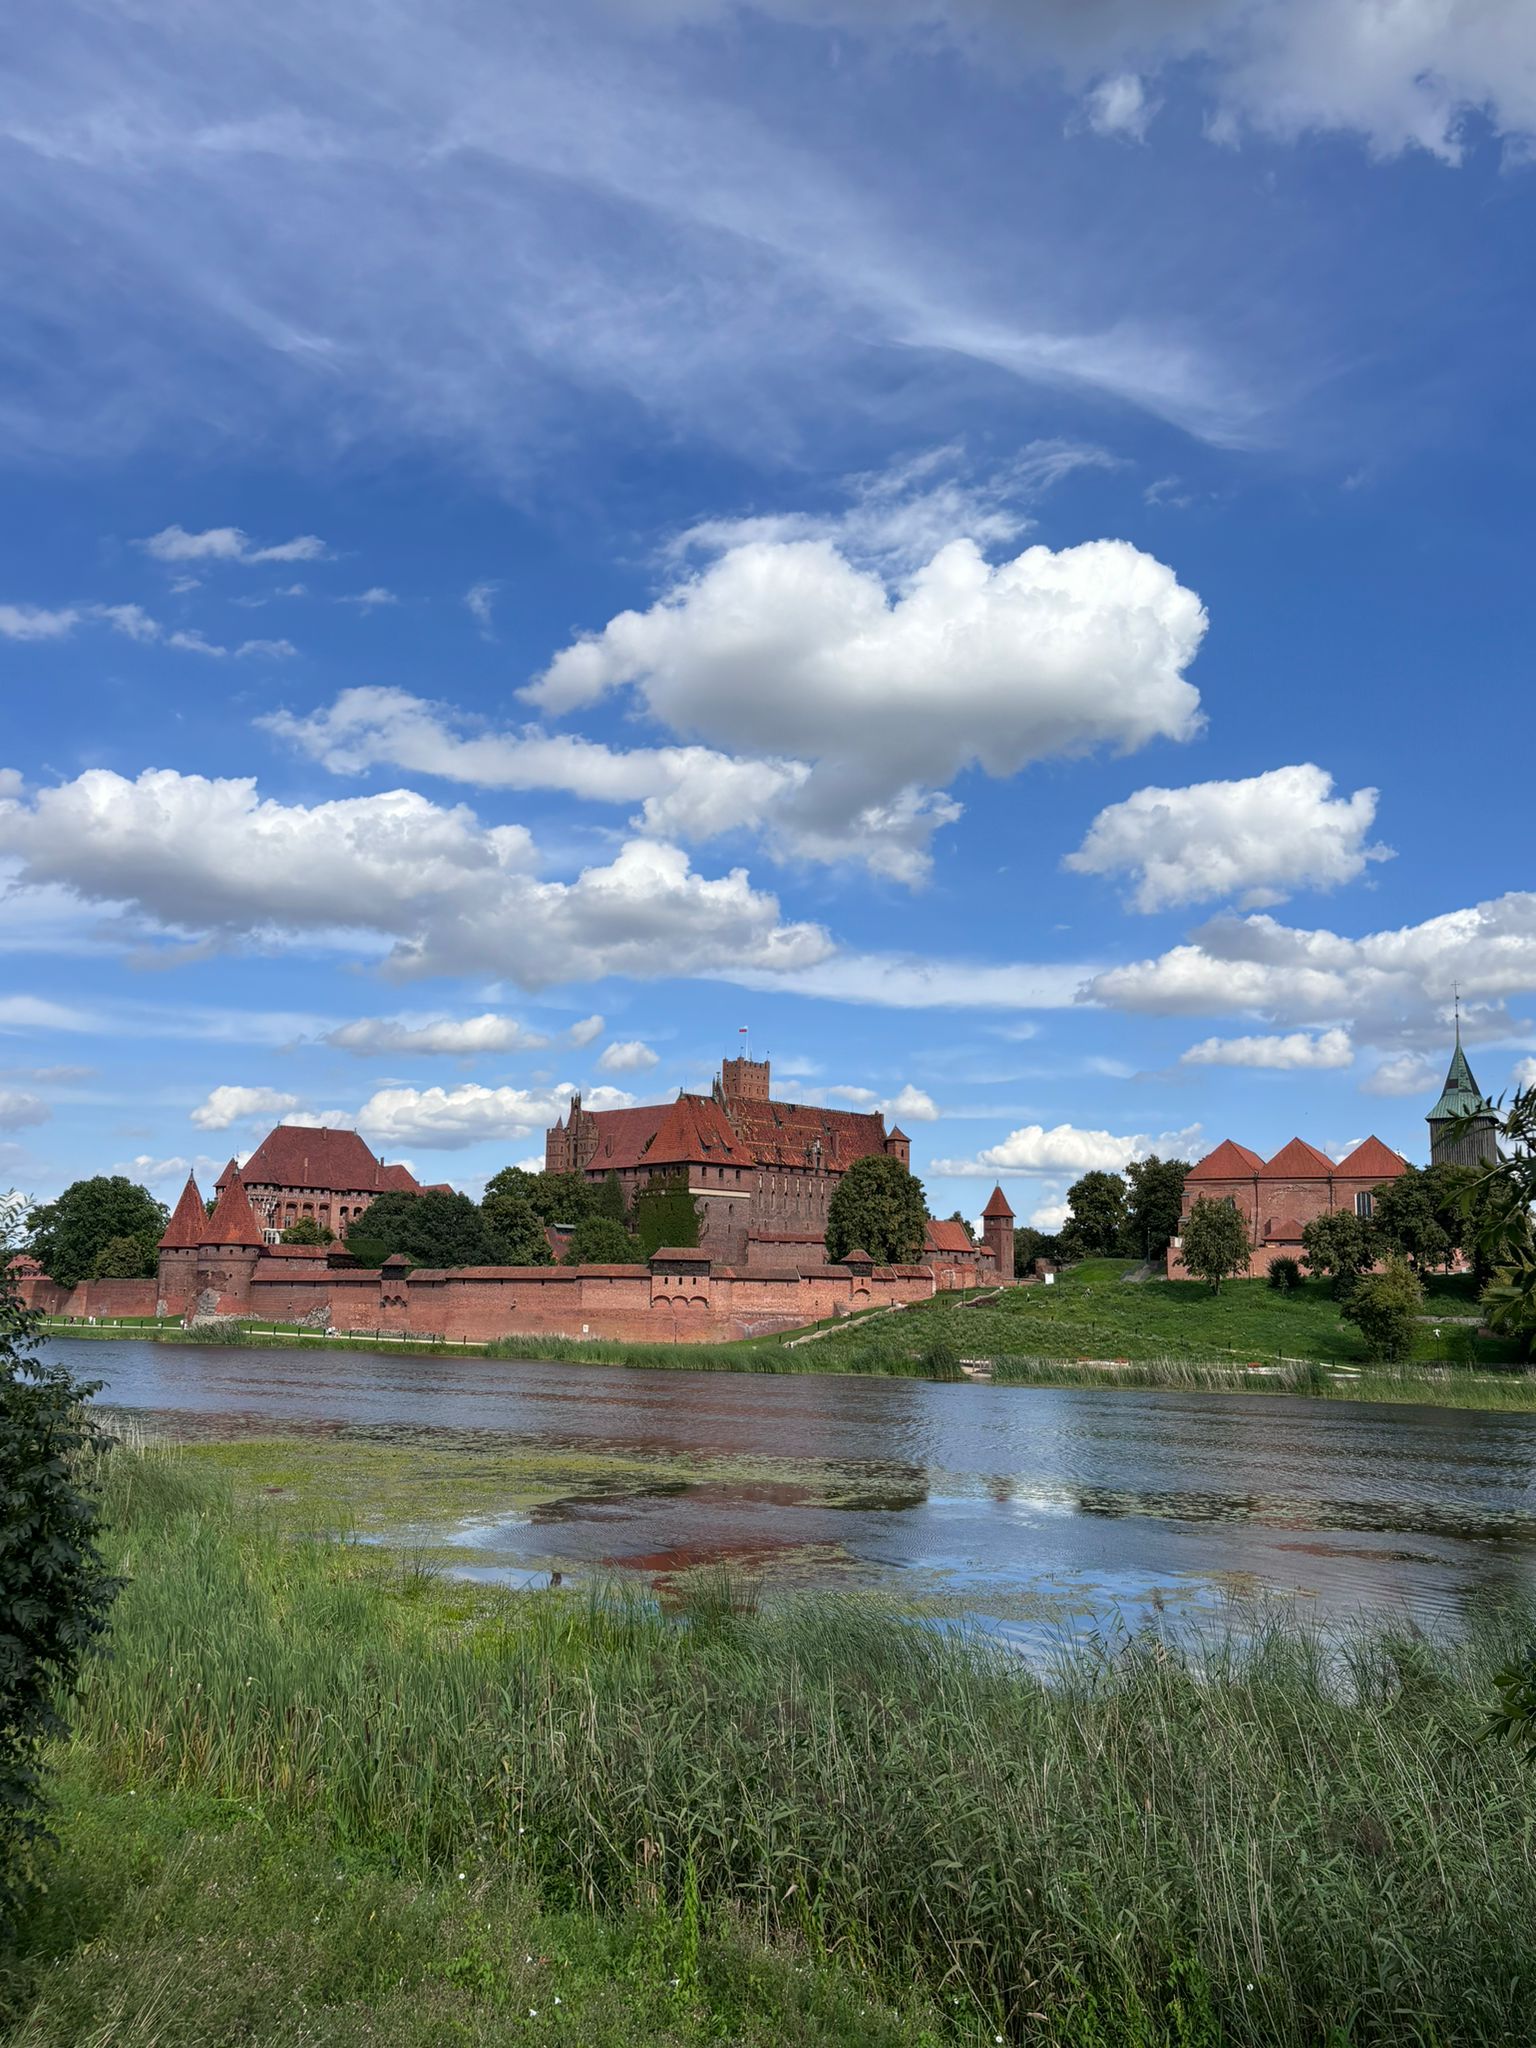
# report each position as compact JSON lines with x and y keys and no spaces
{"x":988,"y":544}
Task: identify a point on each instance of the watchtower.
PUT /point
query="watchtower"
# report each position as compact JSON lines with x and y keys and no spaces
{"x":743,"y":1080}
{"x":997,"y":1232}
{"x":1463,"y":1125}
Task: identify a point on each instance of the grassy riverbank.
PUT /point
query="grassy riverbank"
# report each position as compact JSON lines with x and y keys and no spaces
{"x":1092,"y":1327}
{"x":317,"y":1795}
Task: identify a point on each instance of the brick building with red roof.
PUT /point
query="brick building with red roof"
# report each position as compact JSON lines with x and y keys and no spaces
{"x":761,"y":1171}
{"x":1278,"y":1197}
{"x":327,"y":1176}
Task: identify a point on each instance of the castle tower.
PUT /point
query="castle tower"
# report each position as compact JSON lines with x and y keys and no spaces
{"x":177,"y":1287}
{"x":742,"y":1080}
{"x":997,"y":1232}
{"x":1476,"y":1143}
{"x":899,"y":1146}
{"x":231,"y":1245}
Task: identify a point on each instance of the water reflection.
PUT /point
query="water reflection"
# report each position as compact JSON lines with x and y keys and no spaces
{"x":992,"y":1499}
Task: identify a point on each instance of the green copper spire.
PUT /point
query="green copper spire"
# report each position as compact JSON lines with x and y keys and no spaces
{"x":1461,"y":1095}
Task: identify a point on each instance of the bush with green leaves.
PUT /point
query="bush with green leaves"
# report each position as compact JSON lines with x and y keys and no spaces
{"x":68,"y":1236}
{"x":1382,"y":1308}
{"x":1284,"y":1275}
{"x":1336,"y":1246}
{"x":599,"y":1241}
{"x":877,"y":1207}
{"x":54,"y":1594}
{"x":429,"y":1229}
{"x":305,"y":1230}
{"x":1215,"y":1243}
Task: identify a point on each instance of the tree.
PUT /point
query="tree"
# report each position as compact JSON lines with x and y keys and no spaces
{"x":562,"y":1198}
{"x":666,"y":1214}
{"x":128,"y":1258}
{"x":1284,"y":1275}
{"x":1336,"y":1246}
{"x":877,"y":1207}
{"x":1214,"y":1243}
{"x":1030,"y":1244}
{"x":1404,"y":1223}
{"x":54,"y":1595}
{"x":608,"y":1199}
{"x":519,"y":1234}
{"x":1498,"y":1208}
{"x":67,"y":1237}
{"x":1097,"y":1220}
{"x":599,"y":1241}
{"x":1154,"y":1205}
{"x":1382,"y":1307}
{"x":429,"y":1229}
{"x":305,"y":1230}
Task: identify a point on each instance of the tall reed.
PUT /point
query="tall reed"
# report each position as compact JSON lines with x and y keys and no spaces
{"x":1284,"y":1844}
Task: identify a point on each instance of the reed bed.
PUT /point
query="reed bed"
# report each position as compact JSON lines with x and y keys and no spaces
{"x":1290,"y":1841}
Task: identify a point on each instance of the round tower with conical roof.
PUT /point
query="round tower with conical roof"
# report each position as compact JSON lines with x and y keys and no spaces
{"x":997,"y":1232}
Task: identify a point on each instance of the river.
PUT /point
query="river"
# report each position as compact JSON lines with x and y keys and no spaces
{"x":1028,"y":1507}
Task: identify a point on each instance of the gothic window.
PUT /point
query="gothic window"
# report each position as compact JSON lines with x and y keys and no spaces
{"x":1364,"y":1204}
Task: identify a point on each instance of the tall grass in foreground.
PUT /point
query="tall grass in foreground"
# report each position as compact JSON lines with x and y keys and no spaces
{"x":1292,"y":1845}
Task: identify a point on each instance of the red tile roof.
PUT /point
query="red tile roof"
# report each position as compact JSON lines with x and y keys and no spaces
{"x":696,"y":1131}
{"x":787,"y":1134}
{"x":998,"y":1205}
{"x":188,"y":1226}
{"x":1230,"y":1161}
{"x":1284,"y":1230}
{"x":947,"y":1237}
{"x":233,"y":1220}
{"x":333,"y":1162}
{"x":1371,"y":1160}
{"x":1297,"y":1161}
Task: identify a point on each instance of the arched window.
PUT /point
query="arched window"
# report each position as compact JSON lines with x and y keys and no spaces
{"x":1365,"y":1203}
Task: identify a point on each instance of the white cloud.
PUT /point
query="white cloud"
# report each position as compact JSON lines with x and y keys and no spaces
{"x":1065,"y":1148}
{"x":131,"y":620}
{"x":229,"y":1105}
{"x":900,"y":981}
{"x":1257,"y":839}
{"x":786,"y":648}
{"x":445,"y":893}
{"x":193,"y":642}
{"x":627,"y":1056}
{"x":37,"y":1013}
{"x":1524,"y":1075}
{"x":447,"y":1118}
{"x":915,"y":1104}
{"x":1409,"y":1073}
{"x":685,"y":793}
{"x":1050,"y":1215}
{"x":19,"y":1110}
{"x":585,"y":1030}
{"x":458,"y":1036}
{"x":229,"y":544}
{"x":1390,"y":987}
{"x":35,"y":622}
{"x":480,"y":599}
{"x":1119,"y":106}
{"x":371,"y":599}
{"x":271,"y":650}
{"x":1289,"y":1053}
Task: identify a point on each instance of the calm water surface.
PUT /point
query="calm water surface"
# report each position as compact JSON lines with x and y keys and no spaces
{"x":1020,"y":1504}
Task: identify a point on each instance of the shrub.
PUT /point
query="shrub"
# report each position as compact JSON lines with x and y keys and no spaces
{"x":1382,"y":1307}
{"x":1285,"y":1275}
{"x":54,"y":1595}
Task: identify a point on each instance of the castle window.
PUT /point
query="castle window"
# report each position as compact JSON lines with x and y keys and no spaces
{"x":1364,"y":1204}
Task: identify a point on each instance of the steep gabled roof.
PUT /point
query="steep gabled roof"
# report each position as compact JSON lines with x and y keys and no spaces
{"x":947,"y":1237}
{"x":1297,"y":1161}
{"x":1371,"y":1160}
{"x":1230,"y":1161}
{"x":804,"y":1134}
{"x":623,"y":1135}
{"x":188,"y":1226}
{"x":997,"y":1205}
{"x":233,"y":1220}
{"x":334,"y":1162}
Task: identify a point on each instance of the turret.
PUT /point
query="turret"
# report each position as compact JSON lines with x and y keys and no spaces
{"x":899,"y":1146}
{"x":997,"y":1232}
{"x":231,"y":1245}
{"x":1474,"y":1143}
{"x":177,"y":1285}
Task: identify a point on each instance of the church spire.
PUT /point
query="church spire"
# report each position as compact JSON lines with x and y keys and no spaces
{"x":1462,"y":1103}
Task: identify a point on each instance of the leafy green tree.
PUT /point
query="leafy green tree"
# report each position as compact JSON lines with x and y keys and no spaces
{"x":68,"y":1236}
{"x":1214,"y":1243}
{"x":562,"y":1198}
{"x":599,"y":1241}
{"x":1153,"y":1206}
{"x":1030,"y":1244}
{"x":429,"y":1229}
{"x":608,"y":1199}
{"x":1499,"y":1207}
{"x":1404,"y":1223}
{"x":519,"y":1234}
{"x":305,"y":1230}
{"x":666,"y":1214}
{"x":1098,"y":1212}
{"x":1336,"y":1246}
{"x":877,"y":1207}
{"x":54,"y":1595}
{"x":1382,"y":1306}
{"x":128,"y":1258}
